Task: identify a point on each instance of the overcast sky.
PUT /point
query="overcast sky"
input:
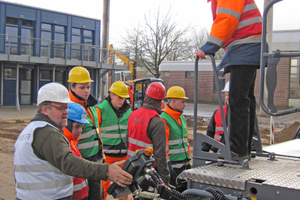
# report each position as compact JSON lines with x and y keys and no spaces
{"x":127,"y":13}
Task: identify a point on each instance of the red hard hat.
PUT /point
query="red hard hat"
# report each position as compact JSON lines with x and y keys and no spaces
{"x":156,"y":90}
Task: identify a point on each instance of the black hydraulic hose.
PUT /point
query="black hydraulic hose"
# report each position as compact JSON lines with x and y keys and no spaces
{"x":218,"y":194}
{"x":190,"y":194}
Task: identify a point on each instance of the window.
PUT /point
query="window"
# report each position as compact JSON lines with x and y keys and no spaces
{"x":76,"y":31}
{"x":87,"y":33}
{"x":10,"y":73}
{"x":127,"y":76}
{"x":189,"y":74}
{"x":11,"y":36}
{"x":81,"y":47}
{"x":59,"y":76}
{"x":27,"y":23}
{"x":166,"y":74}
{"x":53,"y":40}
{"x":59,"y":41}
{"x":294,"y":77}
{"x":221,"y":79}
{"x":11,"y":21}
{"x":18,"y":36}
{"x":26,"y":37}
{"x":46,"y":27}
{"x":88,"y":42}
{"x":76,"y":41}
{"x":60,"y":29}
{"x":45,"y":75}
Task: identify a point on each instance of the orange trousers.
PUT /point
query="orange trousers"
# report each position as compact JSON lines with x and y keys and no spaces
{"x":110,"y":160}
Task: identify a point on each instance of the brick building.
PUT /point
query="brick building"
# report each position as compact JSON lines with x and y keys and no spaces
{"x":287,"y":93}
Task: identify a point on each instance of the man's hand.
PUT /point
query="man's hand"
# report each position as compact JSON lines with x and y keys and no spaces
{"x":200,"y":54}
{"x":119,"y":176}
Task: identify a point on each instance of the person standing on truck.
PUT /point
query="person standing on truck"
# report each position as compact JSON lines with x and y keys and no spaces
{"x":237,"y":28}
{"x":76,"y":120}
{"x":147,"y":129}
{"x":43,"y":161}
{"x":89,"y":144}
{"x":113,"y":120}
{"x":215,"y":126}
{"x":178,"y":148}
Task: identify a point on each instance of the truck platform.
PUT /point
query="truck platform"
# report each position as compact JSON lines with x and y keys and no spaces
{"x":264,"y":179}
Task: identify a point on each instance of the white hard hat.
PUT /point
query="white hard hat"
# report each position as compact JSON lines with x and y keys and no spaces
{"x":226,"y":88}
{"x":55,"y":92}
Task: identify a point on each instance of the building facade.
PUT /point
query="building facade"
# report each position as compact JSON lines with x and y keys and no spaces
{"x":287,"y":93}
{"x":39,"y":46}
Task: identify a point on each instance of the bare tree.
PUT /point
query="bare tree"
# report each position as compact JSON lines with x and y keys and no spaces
{"x":152,"y":41}
{"x":189,"y":45}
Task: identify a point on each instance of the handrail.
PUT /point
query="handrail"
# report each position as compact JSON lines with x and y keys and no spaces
{"x":226,"y":148}
{"x":263,"y":56}
{"x":37,"y":47}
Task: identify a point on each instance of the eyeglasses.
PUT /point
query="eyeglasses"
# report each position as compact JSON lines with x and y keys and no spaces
{"x":61,"y":108}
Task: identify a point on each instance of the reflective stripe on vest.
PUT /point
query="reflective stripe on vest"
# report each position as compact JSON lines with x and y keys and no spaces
{"x":179,"y":165}
{"x":244,"y":18}
{"x":138,"y":123}
{"x":113,"y":129}
{"x":79,"y":186}
{"x":111,"y":135}
{"x":87,"y":134}
{"x":219,"y":124}
{"x":36,"y":178}
{"x":139,"y":143}
{"x":80,"y":189}
{"x":178,"y":144}
{"x":88,"y":143}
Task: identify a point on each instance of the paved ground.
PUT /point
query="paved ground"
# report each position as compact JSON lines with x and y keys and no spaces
{"x":10,"y":112}
{"x":204,"y":110}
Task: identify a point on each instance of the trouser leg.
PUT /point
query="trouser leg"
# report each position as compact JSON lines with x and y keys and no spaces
{"x":106,"y":184}
{"x":242,"y":108}
{"x":95,"y":190}
{"x":95,"y":187}
{"x":252,"y":116}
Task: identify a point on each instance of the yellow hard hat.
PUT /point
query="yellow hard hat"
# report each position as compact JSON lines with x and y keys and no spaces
{"x":119,"y":88}
{"x":79,"y":75}
{"x":176,"y":92}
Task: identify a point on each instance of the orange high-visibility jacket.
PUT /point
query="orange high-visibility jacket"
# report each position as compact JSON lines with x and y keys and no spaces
{"x":80,"y":189}
{"x":237,"y":27}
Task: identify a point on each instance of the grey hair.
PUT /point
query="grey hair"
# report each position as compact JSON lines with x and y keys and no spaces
{"x":45,"y":103}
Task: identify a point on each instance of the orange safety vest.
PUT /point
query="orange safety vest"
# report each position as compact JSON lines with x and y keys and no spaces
{"x":80,"y":189}
{"x":219,"y":124}
{"x":240,"y":20}
{"x":138,"y":123}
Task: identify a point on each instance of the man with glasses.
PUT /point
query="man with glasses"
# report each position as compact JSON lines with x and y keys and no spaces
{"x":43,"y":162}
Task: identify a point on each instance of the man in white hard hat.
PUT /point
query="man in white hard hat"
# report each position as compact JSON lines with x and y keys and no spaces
{"x":215,"y":126}
{"x":43,"y":161}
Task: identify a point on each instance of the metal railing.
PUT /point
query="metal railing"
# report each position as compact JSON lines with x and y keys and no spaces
{"x":36,"y":47}
{"x":271,"y":75}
